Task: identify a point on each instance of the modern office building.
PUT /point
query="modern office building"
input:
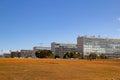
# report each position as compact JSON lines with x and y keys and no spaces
{"x":61,"y":48}
{"x":36,"y":48}
{"x":26,"y":53}
{"x":91,"y":44}
{"x":41,"y":48}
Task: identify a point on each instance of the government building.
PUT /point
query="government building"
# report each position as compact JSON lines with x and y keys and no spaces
{"x":91,"y":44}
{"x":60,"y":49}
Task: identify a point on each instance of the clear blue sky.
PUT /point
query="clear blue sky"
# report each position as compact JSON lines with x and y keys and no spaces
{"x":27,"y":23}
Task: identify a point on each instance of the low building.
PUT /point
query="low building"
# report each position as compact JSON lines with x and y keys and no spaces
{"x":60,"y":49}
{"x":26,"y":53}
{"x":6,"y":55}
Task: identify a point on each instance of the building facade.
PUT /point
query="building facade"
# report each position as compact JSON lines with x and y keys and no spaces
{"x":6,"y":55}
{"x":26,"y":53}
{"x":41,"y":48}
{"x":61,"y":48}
{"x":36,"y":48}
{"x":92,"y":44}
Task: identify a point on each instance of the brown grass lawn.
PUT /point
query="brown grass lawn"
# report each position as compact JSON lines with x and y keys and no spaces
{"x":51,"y":69}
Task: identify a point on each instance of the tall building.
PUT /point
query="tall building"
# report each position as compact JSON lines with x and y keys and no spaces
{"x":92,"y":44}
{"x":61,"y":48}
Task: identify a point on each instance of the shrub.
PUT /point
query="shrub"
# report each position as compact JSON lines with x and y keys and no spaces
{"x":44,"y":54}
{"x":92,"y":56}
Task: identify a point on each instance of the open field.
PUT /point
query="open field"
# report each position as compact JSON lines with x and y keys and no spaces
{"x":51,"y":69}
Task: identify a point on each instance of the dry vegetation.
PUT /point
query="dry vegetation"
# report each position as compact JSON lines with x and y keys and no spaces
{"x":51,"y":69}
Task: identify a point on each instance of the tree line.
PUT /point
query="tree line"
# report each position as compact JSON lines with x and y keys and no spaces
{"x":67,"y":55}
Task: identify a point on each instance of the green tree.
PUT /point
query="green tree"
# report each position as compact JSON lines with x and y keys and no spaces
{"x":103,"y":56}
{"x":44,"y":54}
{"x":66,"y":55}
{"x":92,"y":56}
{"x":15,"y":54}
{"x":57,"y":56}
{"x":73,"y":54}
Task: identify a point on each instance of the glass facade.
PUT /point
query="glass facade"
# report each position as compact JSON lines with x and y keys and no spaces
{"x":61,"y":48}
{"x":99,"y":45}
{"x":41,"y":48}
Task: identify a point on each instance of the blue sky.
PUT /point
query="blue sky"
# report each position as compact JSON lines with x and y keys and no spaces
{"x":27,"y":23}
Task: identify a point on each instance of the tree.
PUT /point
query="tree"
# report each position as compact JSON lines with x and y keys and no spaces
{"x":44,"y":54}
{"x":66,"y":55}
{"x":92,"y":56}
{"x":15,"y":54}
{"x":103,"y":56}
{"x":73,"y":54}
{"x":57,"y":56}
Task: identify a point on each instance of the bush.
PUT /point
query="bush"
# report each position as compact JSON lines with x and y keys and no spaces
{"x":66,"y":55}
{"x":57,"y":56}
{"x":72,"y":55}
{"x":92,"y":56}
{"x":103,"y":56}
{"x":44,"y":54}
{"x":15,"y":54}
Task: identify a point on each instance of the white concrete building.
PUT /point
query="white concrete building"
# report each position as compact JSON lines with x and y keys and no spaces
{"x":91,"y":44}
{"x":61,"y":48}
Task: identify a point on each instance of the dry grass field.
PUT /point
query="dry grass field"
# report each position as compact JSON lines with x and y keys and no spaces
{"x":51,"y":69}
